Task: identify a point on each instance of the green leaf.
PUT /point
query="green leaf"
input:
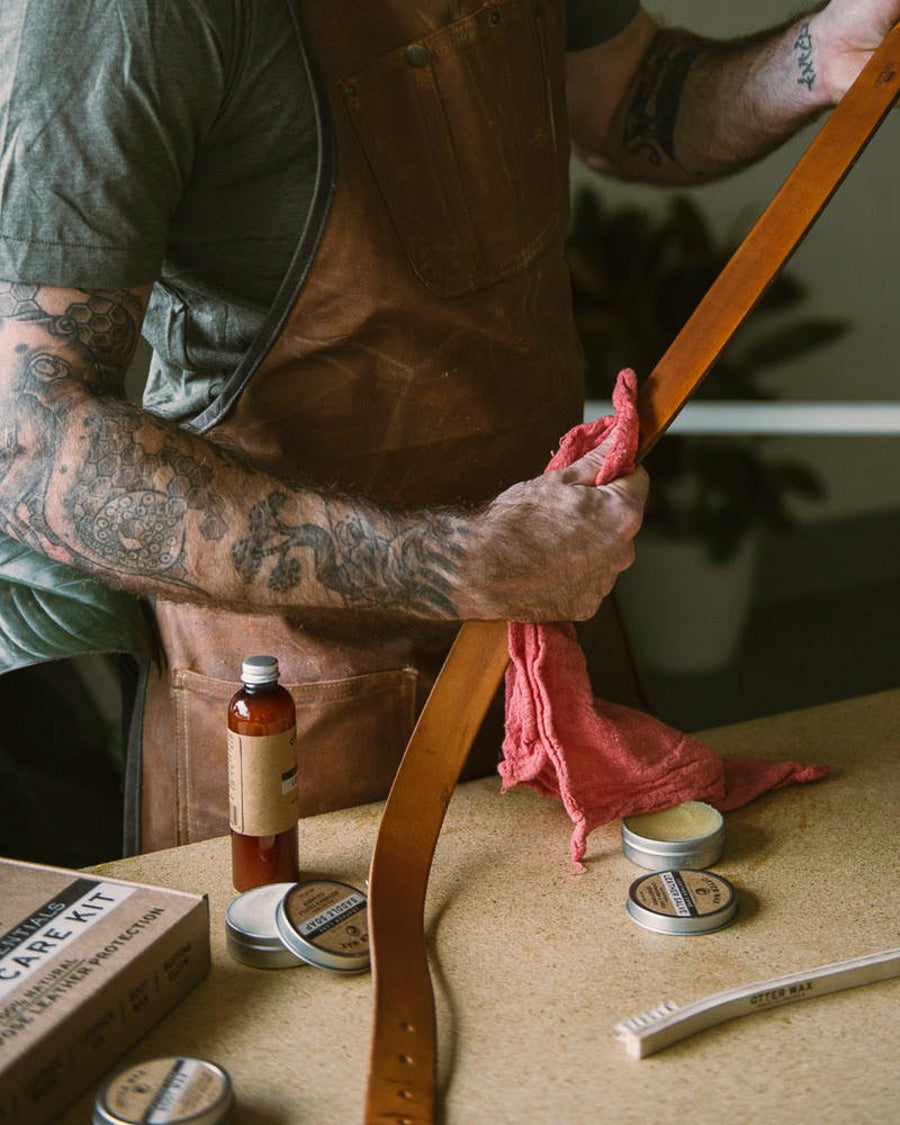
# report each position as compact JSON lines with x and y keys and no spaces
{"x":785,"y":292}
{"x":49,"y":610}
{"x":796,"y":339}
{"x":691,"y":226}
{"x":791,"y":476}
{"x":586,"y":227}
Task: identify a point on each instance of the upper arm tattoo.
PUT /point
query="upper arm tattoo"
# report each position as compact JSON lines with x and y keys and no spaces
{"x":127,"y":488}
{"x":649,"y":127}
{"x":103,"y":324}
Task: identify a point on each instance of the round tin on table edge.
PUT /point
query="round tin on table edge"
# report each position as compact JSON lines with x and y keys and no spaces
{"x":311,"y":952}
{"x":688,"y":921}
{"x":217,"y":1112}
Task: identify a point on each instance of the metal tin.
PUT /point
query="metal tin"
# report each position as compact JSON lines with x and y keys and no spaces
{"x":688,"y":835}
{"x":167,"y":1091}
{"x":251,"y":931}
{"x":324,"y":922}
{"x":682,"y":902}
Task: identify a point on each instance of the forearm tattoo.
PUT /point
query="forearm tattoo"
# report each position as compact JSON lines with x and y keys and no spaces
{"x":803,"y":52}
{"x":105,"y":486}
{"x":649,"y":128}
{"x":130,"y":505}
{"x":372,"y":564}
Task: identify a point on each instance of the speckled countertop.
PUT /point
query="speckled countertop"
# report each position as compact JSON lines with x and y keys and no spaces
{"x":533,"y":966}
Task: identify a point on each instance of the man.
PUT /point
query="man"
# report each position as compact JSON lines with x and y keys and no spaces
{"x":344,"y":241}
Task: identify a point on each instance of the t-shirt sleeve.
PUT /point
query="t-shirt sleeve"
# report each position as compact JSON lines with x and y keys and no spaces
{"x":103,"y":106}
{"x":589,"y":22}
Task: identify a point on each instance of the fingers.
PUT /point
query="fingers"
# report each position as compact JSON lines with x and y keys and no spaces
{"x":546,"y":550}
{"x":633,"y":487}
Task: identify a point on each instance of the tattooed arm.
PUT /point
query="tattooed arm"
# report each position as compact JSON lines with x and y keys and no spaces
{"x":666,"y":106}
{"x":90,"y":480}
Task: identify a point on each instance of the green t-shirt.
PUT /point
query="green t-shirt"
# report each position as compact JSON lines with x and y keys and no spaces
{"x":169,"y":141}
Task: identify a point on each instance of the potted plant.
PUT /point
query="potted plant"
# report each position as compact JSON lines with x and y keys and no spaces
{"x":636,"y":279}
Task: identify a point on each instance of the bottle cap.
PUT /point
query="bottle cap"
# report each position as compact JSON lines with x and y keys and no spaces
{"x":166,"y":1091}
{"x":325,"y":923}
{"x":250,"y":930}
{"x":682,"y":902}
{"x":259,"y":669}
{"x":688,"y":835}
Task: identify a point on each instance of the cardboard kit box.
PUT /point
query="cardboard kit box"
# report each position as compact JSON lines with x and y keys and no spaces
{"x":87,"y":966}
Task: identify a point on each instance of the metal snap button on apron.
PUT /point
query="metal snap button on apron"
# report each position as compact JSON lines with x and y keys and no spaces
{"x":417,"y":54}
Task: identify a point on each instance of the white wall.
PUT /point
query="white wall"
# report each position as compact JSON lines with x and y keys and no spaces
{"x":849,"y":261}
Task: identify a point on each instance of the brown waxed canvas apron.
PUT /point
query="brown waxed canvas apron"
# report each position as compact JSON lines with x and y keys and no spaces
{"x":427,"y":357}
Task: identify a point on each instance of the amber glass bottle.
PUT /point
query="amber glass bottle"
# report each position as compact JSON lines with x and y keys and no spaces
{"x":262,"y":778}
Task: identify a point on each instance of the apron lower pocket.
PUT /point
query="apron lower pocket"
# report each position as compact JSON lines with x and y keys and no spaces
{"x":351,"y":734}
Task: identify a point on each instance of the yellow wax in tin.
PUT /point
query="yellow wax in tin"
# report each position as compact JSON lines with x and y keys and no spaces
{"x":688,"y":821}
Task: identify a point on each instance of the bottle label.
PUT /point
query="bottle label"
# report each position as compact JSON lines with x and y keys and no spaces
{"x":262,"y":782}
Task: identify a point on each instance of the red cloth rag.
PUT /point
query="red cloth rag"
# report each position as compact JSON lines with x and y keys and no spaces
{"x":603,"y":760}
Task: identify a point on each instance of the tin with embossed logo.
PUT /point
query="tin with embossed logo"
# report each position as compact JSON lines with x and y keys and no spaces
{"x":167,"y":1091}
{"x":325,"y":923}
{"x":682,"y":902}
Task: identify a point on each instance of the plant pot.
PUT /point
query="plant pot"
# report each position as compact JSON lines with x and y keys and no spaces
{"x":684,"y":613}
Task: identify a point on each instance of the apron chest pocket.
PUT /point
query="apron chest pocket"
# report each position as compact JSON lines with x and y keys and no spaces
{"x":459,"y":130}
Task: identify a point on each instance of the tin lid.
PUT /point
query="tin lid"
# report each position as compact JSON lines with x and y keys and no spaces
{"x":251,"y":932}
{"x":167,"y":1091}
{"x":691,"y":834}
{"x":682,"y":902}
{"x":324,"y":922}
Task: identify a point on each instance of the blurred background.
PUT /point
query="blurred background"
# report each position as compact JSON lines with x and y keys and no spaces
{"x":823,"y":616}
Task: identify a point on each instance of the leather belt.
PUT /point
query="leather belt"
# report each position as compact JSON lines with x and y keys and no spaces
{"x":403,"y":1060}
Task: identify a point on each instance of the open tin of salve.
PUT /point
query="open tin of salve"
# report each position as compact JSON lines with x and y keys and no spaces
{"x":320,"y":922}
{"x":251,"y":931}
{"x":690,"y":835}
